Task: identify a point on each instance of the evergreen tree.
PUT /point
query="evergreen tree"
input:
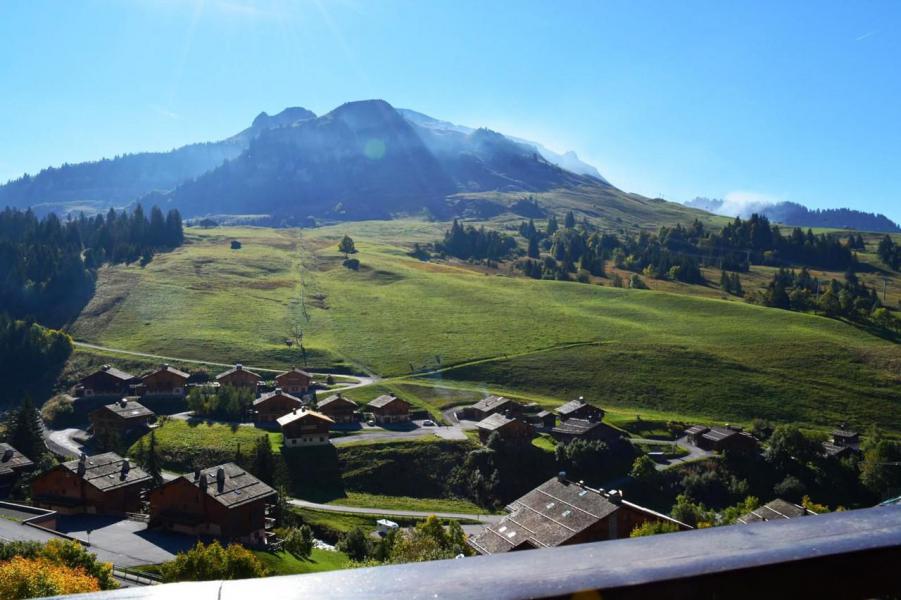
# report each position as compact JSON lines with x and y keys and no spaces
{"x":263,"y":461}
{"x":347,"y":246}
{"x":24,"y":431}
{"x":151,"y":461}
{"x":533,"y":247}
{"x":569,"y":221}
{"x":552,"y":226}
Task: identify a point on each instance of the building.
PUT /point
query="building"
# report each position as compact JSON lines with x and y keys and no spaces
{"x":582,"y":429}
{"x":846,"y":438}
{"x":508,"y":429}
{"x":489,"y":406}
{"x":721,"y":439}
{"x":546,"y":418}
{"x":120,"y":418}
{"x":579,"y":409}
{"x":830,"y":450}
{"x":776,"y":510}
{"x":165,"y":381}
{"x":269,"y":407}
{"x":224,"y":501}
{"x":239,"y":377}
{"x":101,"y":484}
{"x":389,"y":409}
{"x":338,"y":408}
{"x":106,"y":381}
{"x":295,"y":381}
{"x":12,"y":464}
{"x":561,"y":512}
{"x":305,"y":428}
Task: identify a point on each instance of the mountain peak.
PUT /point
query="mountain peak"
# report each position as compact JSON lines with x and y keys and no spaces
{"x":286,"y":118}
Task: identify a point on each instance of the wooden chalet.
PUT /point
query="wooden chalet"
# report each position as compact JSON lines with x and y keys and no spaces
{"x":305,"y":428}
{"x":508,"y":429}
{"x":338,"y":408}
{"x":579,"y":409}
{"x":776,"y":510}
{"x":12,"y":464}
{"x":831,"y":450}
{"x":545,"y":418}
{"x":846,"y":437}
{"x":165,"y":381}
{"x":388,"y":409}
{"x":489,"y":406}
{"x":120,"y":418}
{"x":582,"y":429}
{"x":224,"y":501}
{"x":106,"y":381}
{"x":239,"y":377}
{"x":269,"y":407}
{"x":295,"y":381}
{"x":721,"y":439}
{"x":561,"y":512}
{"x":101,"y":484}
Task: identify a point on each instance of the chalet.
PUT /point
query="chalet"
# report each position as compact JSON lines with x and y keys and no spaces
{"x":294,"y":381}
{"x":12,"y":464}
{"x":776,"y":510}
{"x":582,"y":429}
{"x":165,"y":381}
{"x":507,"y":428}
{"x":389,"y":409}
{"x":338,"y":408}
{"x":269,"y":407}
{"x":120,"y":418}
{"x":106,"y":381}
{"x":721,"y":439}
{"x":831,"y":450}
{"x":239,"y":377}
{"x":224,"y":501}
{"x":561,"y":512}
{"x":579,"y":409}
{"x":846,"y":438}
{"x":101,"y":484}
{"x":305,"y":428}
{"x":546,"y":418}
{"x":490,"y":406}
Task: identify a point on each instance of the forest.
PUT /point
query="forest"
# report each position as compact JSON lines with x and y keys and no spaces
{"x":31,"y":358}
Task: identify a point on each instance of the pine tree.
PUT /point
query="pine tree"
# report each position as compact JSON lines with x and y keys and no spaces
{"x":24,"y":431}
{"x":570,"y":220}
{"x":263,"y":461}
{"x":735,"y":285}
{"x":725,"y":282}
{"x":533,"y":247}
{"x":150,"y":461}
{"x":552,"y":226}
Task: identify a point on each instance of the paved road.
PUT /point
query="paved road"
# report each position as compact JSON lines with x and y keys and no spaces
{"x":484,"y":518}
{"x":694,"y":453}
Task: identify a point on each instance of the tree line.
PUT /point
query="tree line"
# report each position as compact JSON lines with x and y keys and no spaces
{"x":31,"y":358}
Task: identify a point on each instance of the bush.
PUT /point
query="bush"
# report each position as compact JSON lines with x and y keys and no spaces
{"x":38,"y":577}
{"x":51,"y":564}
{"x":637,"y":283}
{"x":355,"y":544}
{"x":59,"y":411}
{"x":298,"y":541}
{"x":210,"y":562}
{"x":653,"y":528}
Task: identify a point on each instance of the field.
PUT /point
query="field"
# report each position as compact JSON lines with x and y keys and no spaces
{"x":481,"y":330}
{"x":448,"y":505}
{"x":282,"y":563}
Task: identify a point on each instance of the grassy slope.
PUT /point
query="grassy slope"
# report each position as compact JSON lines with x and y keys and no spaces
{"x":659,"y":351}
{"x":282,"y":563}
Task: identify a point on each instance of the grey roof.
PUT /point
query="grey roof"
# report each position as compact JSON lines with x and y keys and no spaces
{"x":105,"y":471}
{"x":383,"y":401}
{"x":492,"y":403}
{"x":11,"y":459}
{"x":270,"y":395}
{"x":717,"y":434}
{"x":579,"y":427}
{"x":336,"y":398}
{"x":572,"y":406}
{"x":543,"y":413}
{"x":776,"y":510}
{"x":295,"y":370}
{"x":830,"y":449}
{"x":235,"y":369}
{"x":696,"y":429}
{"x":844,"y":433}
{"x":129,"y":409}
{"x":494,"y":421}
{"x":118,"y":374}
{"x":168,"y":369}
{"x":238,"y":486}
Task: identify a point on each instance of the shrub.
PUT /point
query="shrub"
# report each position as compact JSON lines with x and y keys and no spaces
{"x":653,"y":528}
{"x":210,"y":562}
{"x":298,"y":541}
{"x":354,"y":544}
{"x":38,"y":577}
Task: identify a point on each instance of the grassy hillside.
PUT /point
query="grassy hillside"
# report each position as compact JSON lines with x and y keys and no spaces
{"x":649,"y":349}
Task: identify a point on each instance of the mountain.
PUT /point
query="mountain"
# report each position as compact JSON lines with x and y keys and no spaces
{"x":798,"y":215}
{"x":123,"y":179}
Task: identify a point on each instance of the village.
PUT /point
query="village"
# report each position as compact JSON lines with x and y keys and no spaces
{"x":136,"y":521}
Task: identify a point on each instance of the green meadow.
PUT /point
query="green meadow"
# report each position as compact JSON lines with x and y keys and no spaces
{"x":482,"y":329}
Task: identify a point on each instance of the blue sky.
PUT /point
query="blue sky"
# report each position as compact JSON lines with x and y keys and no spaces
{"x":792,"y":101}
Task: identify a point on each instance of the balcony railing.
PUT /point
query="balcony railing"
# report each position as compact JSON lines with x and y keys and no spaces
{"x":855,"y":554}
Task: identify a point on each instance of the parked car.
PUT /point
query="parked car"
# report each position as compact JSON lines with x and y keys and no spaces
{"x":428,"y":423}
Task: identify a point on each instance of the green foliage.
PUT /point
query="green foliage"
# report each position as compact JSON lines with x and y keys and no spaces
{"x":788,"y":444}
{"x":879,"y":470}
{"x":889,"y":252}
{"x":644,"y":469}
{"x":31,"y":358}
{"x":68,"y":553}
{"x":147,"y":455}
{"x":355,"y":544}
{"x":24,"y":431}
{"x":346,"y":246}
{"x":654,"y":528}
{"x":298,"y":541}
{"x":211,"y":562}
{"x":637,"y":283}
{"x":479,"y":244}
{"x":227,"y":402}
{"x":263,"y":466}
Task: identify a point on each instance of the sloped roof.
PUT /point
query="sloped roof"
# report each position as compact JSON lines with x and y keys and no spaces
{"x":235,"y":369}
{"x":844,"y":433}
{"x":580,"y":427}
{"x":129,"y":409}
{"x":114,"y":372}
{"x":696,"y":429}
{"x":12,"y":459}
{"x":168,"y":369}
{"x":384,"y":400}
{"x":717,"y":434}
{"x":492,"y":403}
{"x":493,"y":422}
{"x":302,"y":414}
{"x":830,"y":449}
{"x":336,"y":399}
{"x":277,"y":393}
{"x":572,"y":406}
{"x":776,"y":510}
{"x":105,"y":471}
{"x":294,"y":370}
{"x":238,"y":486}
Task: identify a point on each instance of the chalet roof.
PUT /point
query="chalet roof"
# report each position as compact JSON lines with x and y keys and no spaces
{"x":168,"y":369}
{"x":293,"y":371}
{"x":276,"y":394}
{"x":696,"y":430}
{"x":384,"y":400}
{"x":776,"y":510}
{"x":129,"y":409}
{"x":113,"y":372}
{"x":543,"y":413}
{"x":302,"y":414}
{"x":573,"y":406}
{"x":578,"y":427}
{"x":235,"y":369}
{"x":336,"y":399}
{"x":717,"y":434}
{"x":238,"y":486}
{"x":830,"y":449}
{"x":844,"y":433}
{"x":11,"y":459}
{"x":492,"y":403}
{"x":494,"y":422}
{"x":107,"y":471}
{"x":551,"y":514}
